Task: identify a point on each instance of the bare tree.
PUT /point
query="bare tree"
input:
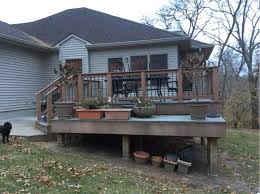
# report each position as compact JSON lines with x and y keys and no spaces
{"x":187,"y":15}
{"x":240,"y":20}
{"x":190,"y":13}
{"x":148,"y":21}
{"x":230,"y":69}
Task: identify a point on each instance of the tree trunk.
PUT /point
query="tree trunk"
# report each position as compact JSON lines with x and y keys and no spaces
{"x":254,"y":101}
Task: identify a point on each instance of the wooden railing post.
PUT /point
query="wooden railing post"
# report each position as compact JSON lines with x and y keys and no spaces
{"x":39,"y":106}
{"x":180,"y":86}
{"x":215,"y":84}
{"x":109,"y":84}
{"x":80,"y":87}
{"x":143,"y":84}
{"x":49,"y":108}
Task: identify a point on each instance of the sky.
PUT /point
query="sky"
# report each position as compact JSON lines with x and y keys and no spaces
{"x":19,"y":11}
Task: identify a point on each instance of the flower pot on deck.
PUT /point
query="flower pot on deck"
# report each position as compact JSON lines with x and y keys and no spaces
{"x":64,"y":110}
{"x":144,"y":112}
{"x":141,"y":157}
{"x":91,"y":114}
{"x":117,"y":113}
{"x":198,"y":111}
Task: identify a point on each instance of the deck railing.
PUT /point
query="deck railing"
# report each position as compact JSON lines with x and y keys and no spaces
{"x":162,"y":84}
{"x":155,"y":84}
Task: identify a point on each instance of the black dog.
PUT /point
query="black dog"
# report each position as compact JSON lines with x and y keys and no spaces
{"x":5,"y":130}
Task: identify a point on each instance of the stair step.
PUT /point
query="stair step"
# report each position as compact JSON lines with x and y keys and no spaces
{"x":43,"y":126}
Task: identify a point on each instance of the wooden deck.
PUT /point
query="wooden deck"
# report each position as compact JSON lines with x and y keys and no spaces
{"x":158,"y":125}
{"x":161,"y":125}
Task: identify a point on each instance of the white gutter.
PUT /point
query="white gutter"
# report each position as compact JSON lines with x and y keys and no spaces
{"x":138,"y":42}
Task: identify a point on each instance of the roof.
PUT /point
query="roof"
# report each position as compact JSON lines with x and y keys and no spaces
{"x":9,"y":33}
{"x":92,"y":26}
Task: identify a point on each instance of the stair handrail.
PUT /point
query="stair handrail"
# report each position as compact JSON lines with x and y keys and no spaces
{"x":40,"y":93}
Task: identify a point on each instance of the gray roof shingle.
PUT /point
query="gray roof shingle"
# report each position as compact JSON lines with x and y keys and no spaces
{"x":92,"y":26}
{"x":12,"y":32}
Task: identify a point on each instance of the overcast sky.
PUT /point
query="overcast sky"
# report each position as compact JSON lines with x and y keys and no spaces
{"x":18,"y":11}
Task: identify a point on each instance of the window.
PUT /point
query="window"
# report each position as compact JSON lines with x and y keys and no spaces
{"x":159,"y":61}
{"x":138,"y":63}
{"x":115,"y":64}
{"x":76,"y":64}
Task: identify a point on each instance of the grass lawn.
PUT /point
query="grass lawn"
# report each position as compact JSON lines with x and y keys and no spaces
{"x":242,"y":147}
{"x":29,"y":168}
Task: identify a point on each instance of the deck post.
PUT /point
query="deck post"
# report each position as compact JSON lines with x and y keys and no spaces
{"x":143,"y":84}
{"x":212,"y":154}
{"x":60,"y":139}
{"x":39,"y":106}
{"x":109,"y":82}
{"x":80,"y":87}
{"x":49,"y":108}
{"x":125,"y":146}
{"x":180,"y":88}
{"x":215,"y":84}
{"x":202,"y":141}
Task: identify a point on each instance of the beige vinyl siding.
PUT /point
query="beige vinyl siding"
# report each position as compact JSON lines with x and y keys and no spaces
{"x":74,"y":48}
{"x":98,"y":59}
{"x":22,"y":75}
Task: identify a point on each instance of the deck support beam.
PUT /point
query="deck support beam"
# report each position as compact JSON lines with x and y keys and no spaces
{"x":202,"y":141}
{"x":60,"y":139}
{"x":212,"y":153}
{"x":125,"y":146}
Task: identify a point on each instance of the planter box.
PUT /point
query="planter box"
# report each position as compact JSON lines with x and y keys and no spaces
{"x":198,"y":111}
{"x":117,"y":114}
{"x":64,"y":109}
{"x":93,"y":114}
{"x":183,"y":166}
{"x":75,"y":108}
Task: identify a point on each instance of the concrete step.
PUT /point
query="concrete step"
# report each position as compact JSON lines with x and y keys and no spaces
{"x":42,"y":126}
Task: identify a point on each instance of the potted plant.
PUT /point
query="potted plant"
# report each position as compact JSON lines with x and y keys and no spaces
{"x":196,"y":69}
{"x":64,"y":109}
{"x":144,"y":108}
{"x":89,"y":110}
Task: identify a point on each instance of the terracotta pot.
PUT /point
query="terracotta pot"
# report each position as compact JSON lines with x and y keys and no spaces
{"x":157,"y":161}
{"x":141,"y":157}
{"x":64,"y":109}
{"x":144,"y":112}
{"x":117,"y":114}
{"x":93,"y":114}
{"x":198,"y":111}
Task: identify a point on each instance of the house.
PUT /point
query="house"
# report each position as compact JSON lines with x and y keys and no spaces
{"x":115,"y":58}
{"x":95,"y":42}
